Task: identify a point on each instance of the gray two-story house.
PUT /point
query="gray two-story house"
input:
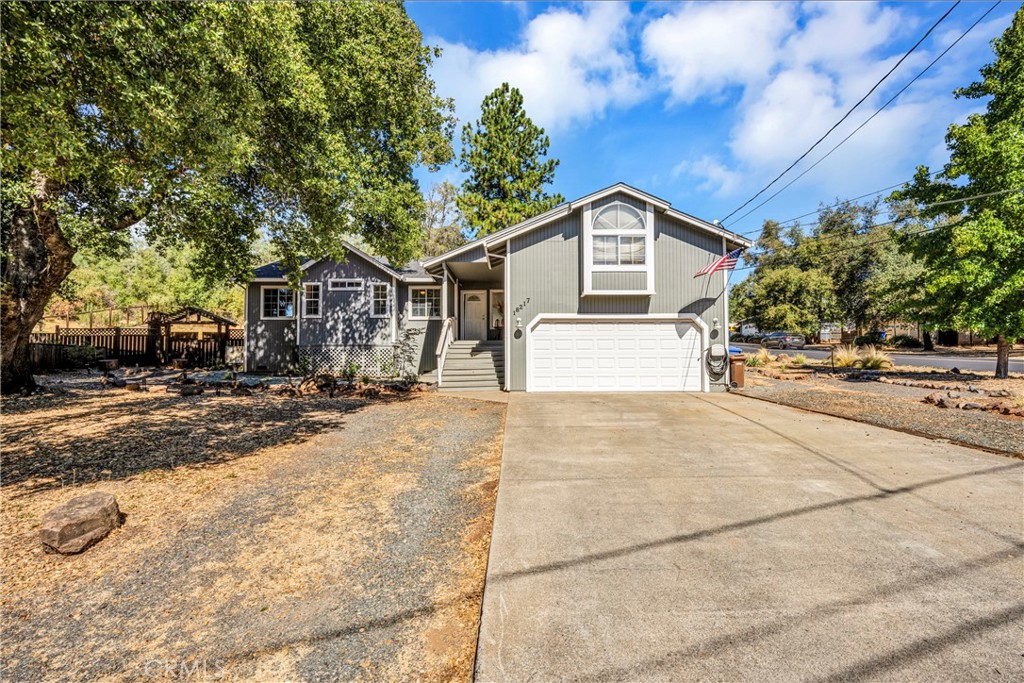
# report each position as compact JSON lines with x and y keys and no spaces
{"x":597,"y":294}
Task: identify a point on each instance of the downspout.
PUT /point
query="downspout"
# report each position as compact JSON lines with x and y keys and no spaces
{"x":508,"y":324}
{"x":725,"y":323}
{"x":394,"y":310}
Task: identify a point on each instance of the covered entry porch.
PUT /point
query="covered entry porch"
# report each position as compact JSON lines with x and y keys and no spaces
{"x":470,"y":350}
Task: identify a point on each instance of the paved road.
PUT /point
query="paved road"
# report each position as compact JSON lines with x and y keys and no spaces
{"x":669,"y":537}
{"x":917,"y":359}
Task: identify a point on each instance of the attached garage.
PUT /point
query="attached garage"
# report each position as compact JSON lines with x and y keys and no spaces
{"x":616,"y":353}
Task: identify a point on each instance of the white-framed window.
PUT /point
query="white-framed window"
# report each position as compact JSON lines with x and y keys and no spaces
{"x":619,"y":235}
{"x":424,"y":303}
{"x":277,"y":303}
{"x":345,"y":284}
{"x":380,"y":300}
{"x":311,"y":300}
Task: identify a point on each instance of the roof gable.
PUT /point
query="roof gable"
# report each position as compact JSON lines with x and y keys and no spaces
{"x":412,"y":272}
{"x":567,"y":207}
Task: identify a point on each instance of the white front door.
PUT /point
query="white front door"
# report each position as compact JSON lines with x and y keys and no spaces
{"x":474,"y":315}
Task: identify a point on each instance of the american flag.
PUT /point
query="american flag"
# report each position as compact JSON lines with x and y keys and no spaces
{"x":727,"y":262}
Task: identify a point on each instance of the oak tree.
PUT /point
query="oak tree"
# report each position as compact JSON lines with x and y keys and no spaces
{"x":208,"y":124}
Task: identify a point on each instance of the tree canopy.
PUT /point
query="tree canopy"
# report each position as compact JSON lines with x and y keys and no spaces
{"x":212,"y":125}
{"x":971,"y":244}
{"x":503,"y":153}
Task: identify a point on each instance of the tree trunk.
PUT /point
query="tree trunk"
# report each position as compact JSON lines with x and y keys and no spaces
{"x":929,"y":345}
{"x":37,"y":261}
{"x":1002,"y":357}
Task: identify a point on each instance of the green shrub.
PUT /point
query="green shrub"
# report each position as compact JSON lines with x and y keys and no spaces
{"x":754,"y":361}
{"x":904,"y":341}
{"x":869,"y":338}
{"x":874,"y":358}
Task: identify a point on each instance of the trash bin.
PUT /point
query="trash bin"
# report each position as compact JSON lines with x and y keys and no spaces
{"x":737,"y":370}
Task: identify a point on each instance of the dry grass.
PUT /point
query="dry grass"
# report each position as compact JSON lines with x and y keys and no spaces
{"x":270,"y":535}
{"x":846,"y":356}
{"x":874,"y":358}
{"x":765,"y":356}
{"x":800,"y":359}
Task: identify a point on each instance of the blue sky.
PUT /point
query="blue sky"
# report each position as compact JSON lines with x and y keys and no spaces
{"x":703,"y":104}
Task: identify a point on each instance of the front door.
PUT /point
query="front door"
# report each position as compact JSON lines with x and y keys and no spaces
{"x":474,"y":315}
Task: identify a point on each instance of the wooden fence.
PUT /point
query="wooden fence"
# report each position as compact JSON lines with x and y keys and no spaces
{"x":130,"y":345}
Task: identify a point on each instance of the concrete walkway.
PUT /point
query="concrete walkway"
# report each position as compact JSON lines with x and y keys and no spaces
{"x":663,"y":537}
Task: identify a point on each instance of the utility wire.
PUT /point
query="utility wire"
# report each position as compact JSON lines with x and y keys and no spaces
{"x":946,"y":202}
{"x":873,"y":193}
{"x":846,"y":115}
{"x":877,"y":112}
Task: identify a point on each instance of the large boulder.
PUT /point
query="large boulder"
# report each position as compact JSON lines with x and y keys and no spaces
{"x":77,"y":524}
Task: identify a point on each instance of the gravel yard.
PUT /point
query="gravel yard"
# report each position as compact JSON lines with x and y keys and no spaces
{"x":902,"y":407}
{"x":266,"y":538}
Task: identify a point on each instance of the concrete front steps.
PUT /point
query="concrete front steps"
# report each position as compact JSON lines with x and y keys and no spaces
{"x":475,"y":365}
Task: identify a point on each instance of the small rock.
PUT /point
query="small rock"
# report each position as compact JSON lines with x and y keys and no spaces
{"x":971,"y":405}
{"x":132,"y":386}
{"x":934,"y":397}
{"x":1000,"y":393}
{"x":190,"y":390}
{"x":241,"y":391}
{"x":82,"y":521}
{"x":953,"y":394}
{"x":955,"y":371}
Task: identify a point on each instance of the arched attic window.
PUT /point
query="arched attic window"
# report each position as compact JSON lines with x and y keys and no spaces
{"x":619,"y":234}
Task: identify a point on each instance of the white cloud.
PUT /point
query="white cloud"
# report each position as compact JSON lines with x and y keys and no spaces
{"x":799,"y":69}
{"x":570,"y":66}
{"x":700,"y":50}
{"x":716,"y":178}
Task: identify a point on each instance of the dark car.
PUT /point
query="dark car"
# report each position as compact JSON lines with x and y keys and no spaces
{"x":783,"y":340}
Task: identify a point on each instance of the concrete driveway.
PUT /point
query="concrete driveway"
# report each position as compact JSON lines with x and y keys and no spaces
{"x":713,"y":537}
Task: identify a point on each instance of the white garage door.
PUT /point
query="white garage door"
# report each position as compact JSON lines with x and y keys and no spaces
{"x":602,"y":355}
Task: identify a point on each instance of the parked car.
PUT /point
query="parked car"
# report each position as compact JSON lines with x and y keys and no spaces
{"x":783,"y":340}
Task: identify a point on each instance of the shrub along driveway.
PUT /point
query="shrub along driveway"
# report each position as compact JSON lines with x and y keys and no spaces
{"x":685,"y":537}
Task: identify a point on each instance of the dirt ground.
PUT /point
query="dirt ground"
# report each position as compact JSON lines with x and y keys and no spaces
{"x":902,"y":407}
{"x":265,"y":538}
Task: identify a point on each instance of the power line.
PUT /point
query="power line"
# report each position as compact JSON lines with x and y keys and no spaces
{"x":892,"y":222}
{"x":873,"y":193}
{"x":877,"y":112}
{"x":847,"y":114}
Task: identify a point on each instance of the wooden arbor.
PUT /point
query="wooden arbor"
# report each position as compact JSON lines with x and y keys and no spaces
{"x":167,"y":332}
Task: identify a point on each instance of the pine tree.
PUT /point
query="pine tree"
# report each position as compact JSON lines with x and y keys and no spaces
{"x":504,"y":154}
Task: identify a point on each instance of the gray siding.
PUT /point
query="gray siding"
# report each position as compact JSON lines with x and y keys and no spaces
{"x":345,"y":319}
{"x":269,"y":344}
{"x":474,"y":254}
{"x":625,"y":280}
{"x":545,"y":267}
{"x":425,"y":342}
{"x":345,"y":315}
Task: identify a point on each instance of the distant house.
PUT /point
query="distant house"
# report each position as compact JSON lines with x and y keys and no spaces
{"x":597,"y":294}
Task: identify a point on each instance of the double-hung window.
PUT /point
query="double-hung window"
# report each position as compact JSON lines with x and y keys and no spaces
{"x":380,"y":300}
{"x":619,"y":236}
{"x":278,"y":303}
{"x":311,"y":300}
{"x":424,"y":303}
